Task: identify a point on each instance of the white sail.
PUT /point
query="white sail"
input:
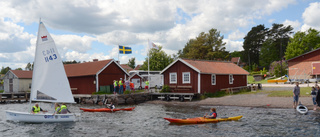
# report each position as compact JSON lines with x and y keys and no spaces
{"x":49,"y":80}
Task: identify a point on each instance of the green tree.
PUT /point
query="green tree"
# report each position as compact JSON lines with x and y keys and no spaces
{"x":18,"y":69}
{"x":132,"y":62}
{"x":303,"y":42}
{"x":252,"y":44}
{"x":158,"y":60}
{"x":207,"y":46}
{"x":5,"y":70}
{"x":70,"y":62}
{"x":29,"y":66}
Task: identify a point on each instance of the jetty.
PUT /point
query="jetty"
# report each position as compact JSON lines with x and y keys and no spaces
{"x":15,"y":96}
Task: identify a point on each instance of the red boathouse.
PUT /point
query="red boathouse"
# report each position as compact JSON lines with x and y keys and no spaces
{"x":202,"y":76}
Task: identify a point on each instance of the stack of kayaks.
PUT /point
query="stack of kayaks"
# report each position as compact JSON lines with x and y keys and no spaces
{"x":200,"y":120}
{"x":106,"y":109}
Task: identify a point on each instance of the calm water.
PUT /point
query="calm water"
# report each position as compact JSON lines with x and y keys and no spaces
{"x":147,"y":120}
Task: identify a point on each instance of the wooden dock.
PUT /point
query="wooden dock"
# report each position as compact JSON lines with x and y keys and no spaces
{"x":172,"y":96}
{"x":15,"y":96}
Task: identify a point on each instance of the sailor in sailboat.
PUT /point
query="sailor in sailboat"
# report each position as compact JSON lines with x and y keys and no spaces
{"x":36,"y":109}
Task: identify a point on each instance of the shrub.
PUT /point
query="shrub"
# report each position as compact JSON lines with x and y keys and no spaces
{"x":99,"y":93}
{"x":165,"y":89}
{"x":275,"y":68}
{"x":1,"y":91}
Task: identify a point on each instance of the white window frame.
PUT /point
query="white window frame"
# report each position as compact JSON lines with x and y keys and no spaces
{"x":183,"y":80}
{"x":215,"y":79}
{"x":231,"y":79}
{"x":170,"y":80}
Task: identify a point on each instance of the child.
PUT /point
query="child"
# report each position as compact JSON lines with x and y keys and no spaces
{"x":111,"y":106}
{"x":132,"y":87}
{"x":212,"y":115}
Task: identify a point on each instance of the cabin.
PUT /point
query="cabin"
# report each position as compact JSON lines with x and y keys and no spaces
{"x":126,"y":67}
{"x":305,"y":67}
{"x":136,"y":79}
{"x":203,"y":76}
{"x":17,"y":81}
{"x":89,"y":77}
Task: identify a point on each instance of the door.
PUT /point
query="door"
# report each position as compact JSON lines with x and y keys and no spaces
{"x":136,"y":82}
{"x":10,"y":85}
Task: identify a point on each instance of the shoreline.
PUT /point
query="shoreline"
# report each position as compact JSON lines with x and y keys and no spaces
{"x":243,"y":100}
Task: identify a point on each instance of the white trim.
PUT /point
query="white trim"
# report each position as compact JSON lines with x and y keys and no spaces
{"x":186,"y":82}
{"x":215,"y":79}
{"x":199,"y":83}
{"x":97,"y":83}
{"x":179,"y":59}
{"x":170,"y":78}
{"x":231,"y":81}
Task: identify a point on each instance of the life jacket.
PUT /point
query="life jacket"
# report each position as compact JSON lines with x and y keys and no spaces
{"x":62,"y":107}
{"x":214,"y":115}
{"x":147,"y":83}
{"x":57,"y":109}
{"x":115,"y":83}
{"x":120,"y":83}
{"x":36,"y":109}
{"x":131,"y":85}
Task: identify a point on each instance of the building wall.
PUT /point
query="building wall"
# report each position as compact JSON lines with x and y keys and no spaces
{"x":313,"y":56}
{"x":300,"y":70}
{"x":25,"y":85}
{"x":222,"y":82}
{"x":137,"y":77}
{"x":6,"y":84}
{"x":179,"y":68}
{"x":83,"y":85}
{"x":112,"y":72}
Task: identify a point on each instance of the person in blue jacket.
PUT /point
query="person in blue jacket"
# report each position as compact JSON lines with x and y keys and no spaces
{"x":212,"y":115}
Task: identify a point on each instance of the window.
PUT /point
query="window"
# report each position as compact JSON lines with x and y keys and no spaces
{"x":230,"y":79}
{"x":185,"y":77}
{"x":213,"y":79}
{"x":173,"y":78}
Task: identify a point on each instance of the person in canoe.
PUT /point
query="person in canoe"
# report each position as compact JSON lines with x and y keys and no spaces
{"x":36,"y":109}
{"x":111,"y":106}
{"x":212,"y":115}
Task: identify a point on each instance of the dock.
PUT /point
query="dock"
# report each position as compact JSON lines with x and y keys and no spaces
{"x":15,"y":96}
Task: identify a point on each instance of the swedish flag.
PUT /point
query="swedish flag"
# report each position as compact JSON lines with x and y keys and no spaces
{"x":124,"y":50}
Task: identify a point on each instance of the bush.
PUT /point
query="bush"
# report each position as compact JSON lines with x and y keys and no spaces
{"x":275,"y":68}
{"x":1,"y":91}
{"x":215,"y":94}
{"x":165,"y":89}
{"x":99,"y":93}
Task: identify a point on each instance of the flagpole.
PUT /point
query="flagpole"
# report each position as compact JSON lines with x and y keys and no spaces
{"x":118,"y":54}
{"x":148,"y":64}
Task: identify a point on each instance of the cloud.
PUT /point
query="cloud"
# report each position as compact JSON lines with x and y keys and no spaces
{"x":311,"y":17}
{"x":236,"y":35}
{"x":294,"y":24}
{"x":233,"y":45}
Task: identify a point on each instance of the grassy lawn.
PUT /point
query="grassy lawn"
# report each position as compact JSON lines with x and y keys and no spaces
{"x":304,"y":92}
{"x":250,"y":80}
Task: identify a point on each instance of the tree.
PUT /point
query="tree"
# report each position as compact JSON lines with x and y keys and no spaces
{"x":5,"y":70}
{"x":18,"y":69}
{"x":158,"y":60}
{"x":208,"y":46}
{"x":303,"y":42}
{"x":70,"y":62}
{"x":132,"y":62}
{"x":252,"y":44}
{"x":29,"y":66}
{"x":278,"y":68}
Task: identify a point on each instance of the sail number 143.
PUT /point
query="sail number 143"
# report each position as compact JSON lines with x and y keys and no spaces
{"x":49,"y":55}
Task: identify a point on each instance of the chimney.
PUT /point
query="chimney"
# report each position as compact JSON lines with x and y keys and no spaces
{"x":94,"y":60}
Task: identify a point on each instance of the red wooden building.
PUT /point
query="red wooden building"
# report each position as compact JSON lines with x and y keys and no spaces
{"x":201,"y":76}
{"x":305,"y":66}
{"x":86,"y":78}
{"x":136,"y":79}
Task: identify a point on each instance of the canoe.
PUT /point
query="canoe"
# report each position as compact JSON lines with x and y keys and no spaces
{"x":200,"y":120}
{"x":106,"y":109}
{"x":302,"y":109}
{"x":277,"y":80}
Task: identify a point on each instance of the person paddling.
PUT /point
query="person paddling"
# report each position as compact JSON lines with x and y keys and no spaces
{"x":212,"y":115}
{"x":111,"y":105}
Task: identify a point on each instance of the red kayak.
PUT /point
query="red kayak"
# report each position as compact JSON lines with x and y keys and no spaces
{"x":106,"y":109}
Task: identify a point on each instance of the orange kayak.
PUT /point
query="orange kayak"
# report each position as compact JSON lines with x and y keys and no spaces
{"x":200,"y":120}
{"x":106,"y":109}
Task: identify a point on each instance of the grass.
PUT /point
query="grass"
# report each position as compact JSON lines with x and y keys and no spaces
{"x":1,"y":91}
{"x":250,"y":80}
{"x":304,"y":92}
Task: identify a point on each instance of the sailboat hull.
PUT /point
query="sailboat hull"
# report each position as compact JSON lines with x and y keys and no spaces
{"x":39,"y":118}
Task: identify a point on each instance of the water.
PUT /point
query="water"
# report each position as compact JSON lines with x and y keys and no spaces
{"x":147,"y":120}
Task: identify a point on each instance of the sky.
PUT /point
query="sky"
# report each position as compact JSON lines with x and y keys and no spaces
{"x":84,"y":30}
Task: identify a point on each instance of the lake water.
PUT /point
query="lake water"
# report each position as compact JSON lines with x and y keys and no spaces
{"x":147,"y":120}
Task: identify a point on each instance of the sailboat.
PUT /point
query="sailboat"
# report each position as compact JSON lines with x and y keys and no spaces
{"x":49,"y":82}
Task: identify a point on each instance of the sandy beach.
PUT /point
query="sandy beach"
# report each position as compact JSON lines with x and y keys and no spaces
{"x":247,"y":100}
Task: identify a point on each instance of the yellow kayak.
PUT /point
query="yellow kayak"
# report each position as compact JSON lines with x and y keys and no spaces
{"x":200,"y":120}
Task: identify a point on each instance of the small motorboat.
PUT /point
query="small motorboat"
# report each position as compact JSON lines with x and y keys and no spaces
{"x":302,"y":109}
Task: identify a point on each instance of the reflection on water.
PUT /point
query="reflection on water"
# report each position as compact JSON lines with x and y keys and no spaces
{"x":147,"y":120}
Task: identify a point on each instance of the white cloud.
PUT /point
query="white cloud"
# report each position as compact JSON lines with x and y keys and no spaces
{"x":236,"y":35}
{"x":311,"y":17}
{"x":233,"y":45}
{"x":295,"y":24}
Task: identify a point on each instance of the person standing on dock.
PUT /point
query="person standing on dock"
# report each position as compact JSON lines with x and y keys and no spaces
{"x":147,"y":86}
{"x":127,"y":83}
{"x":296,"y":94}
{"x":314,"y":92}
{"x":131,"y":86}
{"x":121,"y":86}
{"x":115,"y":85}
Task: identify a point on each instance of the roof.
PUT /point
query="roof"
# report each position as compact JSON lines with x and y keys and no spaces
{"x":88,"y":68}
{"x":137,"y":67}
{"x":134,"y":75}
{"x":235,"y":60}
{"x":126,"y":67}
{"x":211,"y":67}
{"x":22,"y":73}
{"x":304,"y":54}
